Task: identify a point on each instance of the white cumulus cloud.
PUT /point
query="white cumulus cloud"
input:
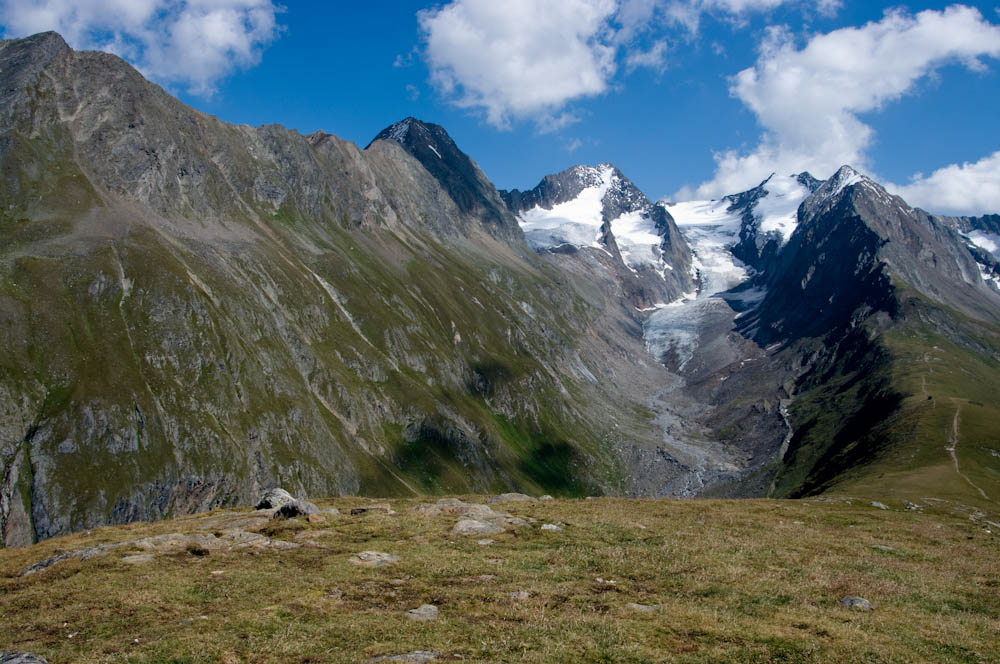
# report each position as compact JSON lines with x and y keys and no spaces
{"x":808,"y":99}
{"x":960,"y":189}
{"x":527,"y":59}
{"x":519,"y":58}
{"x":194,"y":43}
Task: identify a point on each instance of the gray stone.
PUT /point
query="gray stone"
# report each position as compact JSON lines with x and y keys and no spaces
{"x":882,"y":547}
{"x":519,"y":596}
{"x":512,"y":498}
{"x":296,"y":508}
{"x":550,"y":526}
{"x":474,"y":527}
{"x":546,"y":498}
{"x":21,"y":658}
{"x":415,"y":657}
{"x":274,"y":499}
{"x":423,"y":613}
{"x":856,"y":603}
{"x":373,"y":559}
{"x":643,"y":608}
{"x":881,"y":506}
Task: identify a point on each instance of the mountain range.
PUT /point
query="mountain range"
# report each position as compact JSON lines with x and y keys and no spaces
{"x":195,"y":311}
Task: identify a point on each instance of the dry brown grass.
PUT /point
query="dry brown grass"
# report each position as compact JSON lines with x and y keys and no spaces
{"x":739,"y":581}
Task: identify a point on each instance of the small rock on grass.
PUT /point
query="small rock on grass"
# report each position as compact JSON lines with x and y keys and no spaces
{"x":415,"y":657}
{"x":546,"y":498}
{"x":423,"y":613}
{"x":475,"y":527}
{"x":882,"y":547}
{"x":519,"y":596}
{"x":643,"y":608}
{"x":379,"y":508}
{"x":551,"y":526}
{"x":512,"y":498}
{"x":21,"y":658}
{"x":373,"y":559}
{"x":856,"y":603}
{"x":881,"y":506}
{"x":485,"y":542}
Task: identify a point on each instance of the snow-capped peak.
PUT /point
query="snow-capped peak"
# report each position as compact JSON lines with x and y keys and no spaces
{"x":604,"y":199}
{"x":844,"y":178}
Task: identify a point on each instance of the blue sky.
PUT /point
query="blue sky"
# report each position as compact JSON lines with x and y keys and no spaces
{"x":690,"y":98}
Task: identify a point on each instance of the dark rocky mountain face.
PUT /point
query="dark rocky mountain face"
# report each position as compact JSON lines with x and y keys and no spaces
{"x":758,"y":248}
{"x":465,"y":183}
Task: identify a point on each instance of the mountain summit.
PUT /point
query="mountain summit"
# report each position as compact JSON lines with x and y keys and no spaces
{"x":465,"y":183}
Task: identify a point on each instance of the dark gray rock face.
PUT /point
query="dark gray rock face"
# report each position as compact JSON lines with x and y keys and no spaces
{"x":758,"y":248}
{"x":465,"y":183}
{"x":853,"y":240}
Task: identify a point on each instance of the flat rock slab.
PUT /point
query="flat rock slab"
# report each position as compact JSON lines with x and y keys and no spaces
{"x":643,"y":608}
{"x":881,"y":506}
{"x":512,"y":498}
{"x":230,"y":540}
{"x":856,"y":603}
{"x":139,"y":559}
{"x":415,"y":657}
{"x":373,"y":559}
{"x":21,"y":658}
{"x":519,"y":596}
{"x":475,"y":527}
{"x":551,"y":526}
{"x":423,"y":613}
{"x":377,"y":508}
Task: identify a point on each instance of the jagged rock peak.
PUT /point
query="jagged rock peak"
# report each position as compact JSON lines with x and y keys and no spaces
{"x":457,"y":173}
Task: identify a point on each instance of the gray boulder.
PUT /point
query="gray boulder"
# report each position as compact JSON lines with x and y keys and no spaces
{"x":856,"y":603}
{"x":296,"y":508}
{"x":476,"y":527}
{"x":512,"y":498}
{"x":21,"y":658}
{"x":423,"y":613}
{"x":274,"y":499}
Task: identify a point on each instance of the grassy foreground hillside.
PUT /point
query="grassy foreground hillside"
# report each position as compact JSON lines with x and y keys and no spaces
{"x":622,"y":581}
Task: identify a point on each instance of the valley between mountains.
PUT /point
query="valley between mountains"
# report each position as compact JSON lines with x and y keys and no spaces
{"x":193,"y":312}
